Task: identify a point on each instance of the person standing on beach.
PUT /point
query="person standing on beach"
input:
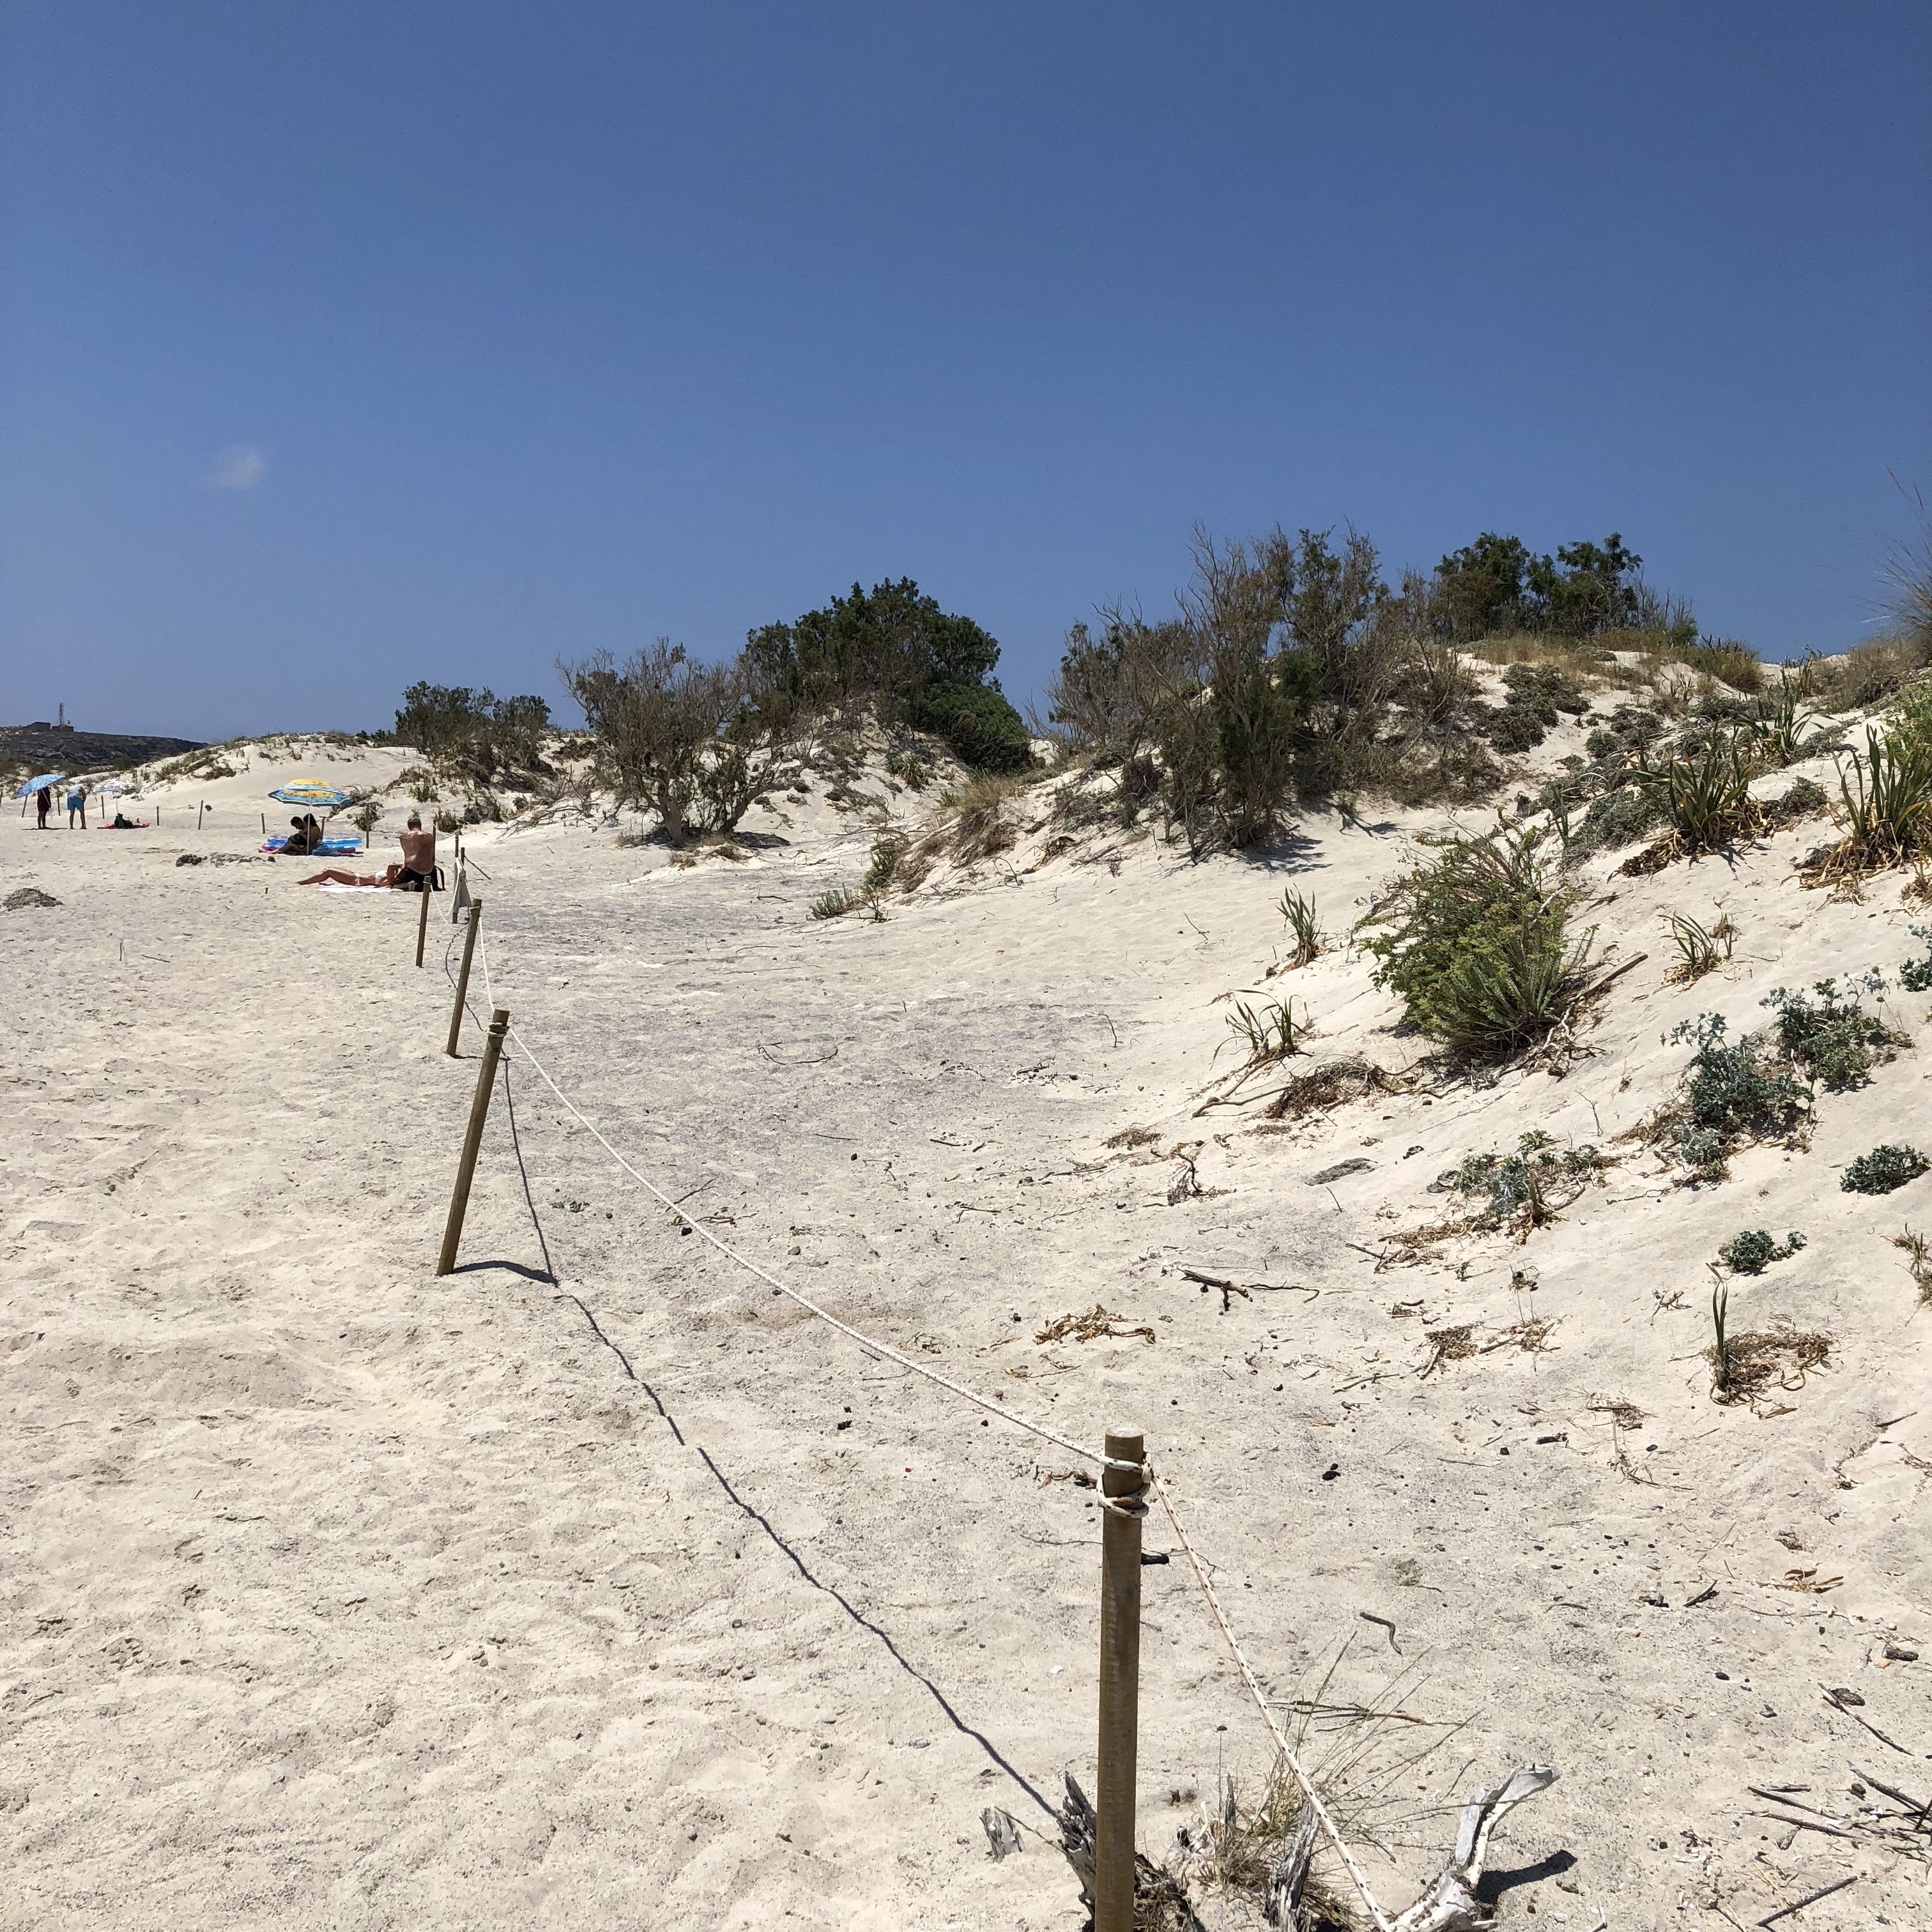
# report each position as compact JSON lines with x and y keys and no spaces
{"x":44,"y":799}
{"x":419,"y":855}
{"x":77,"y":803}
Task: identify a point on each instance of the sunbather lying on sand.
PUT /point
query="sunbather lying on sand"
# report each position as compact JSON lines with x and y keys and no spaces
{"x":335,"y":875}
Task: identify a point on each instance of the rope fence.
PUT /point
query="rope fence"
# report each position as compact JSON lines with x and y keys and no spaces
{"x":1142,"y":1472}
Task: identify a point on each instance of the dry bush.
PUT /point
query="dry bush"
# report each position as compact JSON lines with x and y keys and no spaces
{"x":1333,"y":1085}
{"x":981,"y":824}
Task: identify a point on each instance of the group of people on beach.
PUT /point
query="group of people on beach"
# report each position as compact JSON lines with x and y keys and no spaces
{"x":415,"y":872}
{"x":77,"y":806}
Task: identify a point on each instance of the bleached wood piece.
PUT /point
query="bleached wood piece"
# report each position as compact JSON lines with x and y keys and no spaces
{"x":1002,"y":1834}
{"x":1451,"y":1904}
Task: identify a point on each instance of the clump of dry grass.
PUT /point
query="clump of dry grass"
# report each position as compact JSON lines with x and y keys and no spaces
{"x":981,"y":826}
{"x":1455,"y":1344}
{"x":1332,"y":1085}
{"x":1744,"y":1366}
{"x":1918,"y":1261}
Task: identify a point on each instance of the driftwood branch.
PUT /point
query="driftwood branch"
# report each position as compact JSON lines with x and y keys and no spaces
{"x":1451,"y":1904}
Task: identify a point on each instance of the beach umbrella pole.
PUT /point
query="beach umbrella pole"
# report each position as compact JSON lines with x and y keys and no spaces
{"x":422,"y":922}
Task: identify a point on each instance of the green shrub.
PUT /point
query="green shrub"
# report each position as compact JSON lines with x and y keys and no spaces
{"x":1883,"y":1170}
{"x":836,"y":904}
{"x":1836,"y":1041}
{"x":1477,"y":944}
{"x":1706,"y":798}
{"x":1887,"y":795}
{"x":1753,"y":1253}
{"x":1537,"y":693}
{"x":983,"y":728}
{"x":912,"y":767}
{"x":1617,"y":819}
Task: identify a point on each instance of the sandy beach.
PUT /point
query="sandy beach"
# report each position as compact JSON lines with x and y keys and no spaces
{"x":595,"y":1584}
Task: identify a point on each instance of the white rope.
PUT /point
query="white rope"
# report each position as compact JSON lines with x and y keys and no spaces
{"x":1360,"y":1878}
{"x":1145,"y":1470}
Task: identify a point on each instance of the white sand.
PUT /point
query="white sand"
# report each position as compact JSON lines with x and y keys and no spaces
{"x":336,"y":1594}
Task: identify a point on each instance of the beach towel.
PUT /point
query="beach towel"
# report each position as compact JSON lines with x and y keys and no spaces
{"x":331,"y":887}
{"x":331,"y":848}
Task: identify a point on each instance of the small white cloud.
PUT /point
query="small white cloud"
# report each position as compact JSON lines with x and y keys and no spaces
{"x":238,"y":468}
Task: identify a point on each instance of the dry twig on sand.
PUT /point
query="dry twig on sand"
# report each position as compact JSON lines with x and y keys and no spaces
{"x":1097,"y":1324}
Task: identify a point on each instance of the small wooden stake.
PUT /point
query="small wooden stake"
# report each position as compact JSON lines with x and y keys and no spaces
{"x":1119,"y":1684}
{"x":198,"y":810}
{"x":472,"y":1139}
{"x":463,"y":975}
{"x":422,"y":922}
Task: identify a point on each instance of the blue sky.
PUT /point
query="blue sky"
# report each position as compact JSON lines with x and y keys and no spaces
{"x":341,"y":346}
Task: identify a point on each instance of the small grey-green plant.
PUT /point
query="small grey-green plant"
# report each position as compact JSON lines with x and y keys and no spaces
{"x":834,"y":904}
{"x":1915,"y":975}
{"x":1884,"y":1170}
{"x":888,"y":849}
{"x":1699,"y":952}
{"x":1754,"y":1251}
{"x":1528,"y":1188}
{"x":1734,"y":1093}
{"x":1304,"y":924}
{"x":364,"y":817}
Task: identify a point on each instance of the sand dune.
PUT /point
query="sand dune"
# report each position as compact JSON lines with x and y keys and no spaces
{"x":593,"y":1585}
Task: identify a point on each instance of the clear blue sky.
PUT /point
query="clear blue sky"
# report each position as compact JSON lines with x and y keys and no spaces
{"x":345,"y":344}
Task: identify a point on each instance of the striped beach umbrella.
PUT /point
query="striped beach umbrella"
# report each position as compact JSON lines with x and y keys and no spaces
{"x":307,"y":791}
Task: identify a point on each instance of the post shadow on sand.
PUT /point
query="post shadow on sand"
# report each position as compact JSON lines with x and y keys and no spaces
{"x":1491,"y":1886}
{"x":547,"y":1276}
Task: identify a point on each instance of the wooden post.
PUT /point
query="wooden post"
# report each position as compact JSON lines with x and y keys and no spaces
{"x":422,"y":923}
{"x":265,"y":825}
{"x":472,"y":1139}
{"x":198,"y":810}
{"x":1119,"y":1684}
{"x":463,"y":975}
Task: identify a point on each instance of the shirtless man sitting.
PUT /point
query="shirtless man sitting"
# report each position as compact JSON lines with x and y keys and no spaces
{"x":419,"y":866}
{"x":336,"y":875}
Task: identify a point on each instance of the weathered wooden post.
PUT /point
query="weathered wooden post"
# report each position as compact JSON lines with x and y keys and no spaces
{"x":1124,"y":1493}
{"x":422,"y":921}
{"x":462,"y":976}
{"x":465,"y":1168}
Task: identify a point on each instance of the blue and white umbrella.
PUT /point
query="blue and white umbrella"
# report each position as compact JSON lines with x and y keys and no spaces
{"x":33,"y":785}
